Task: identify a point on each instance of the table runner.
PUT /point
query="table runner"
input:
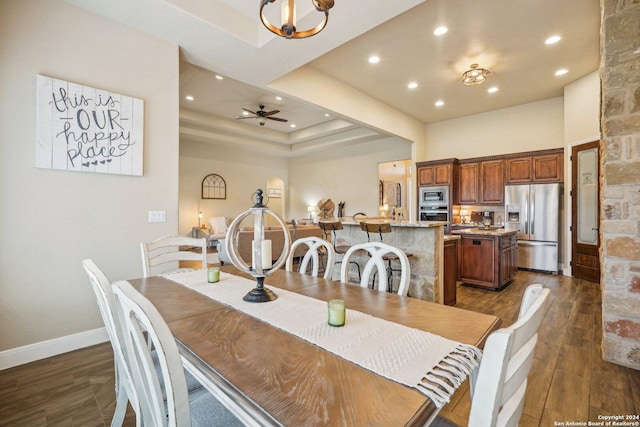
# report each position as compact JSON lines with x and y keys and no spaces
{"x":427,"y":362}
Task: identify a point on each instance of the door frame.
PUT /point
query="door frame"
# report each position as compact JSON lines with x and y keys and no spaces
{"x":566,"y":204}
{"x":573,"y":215}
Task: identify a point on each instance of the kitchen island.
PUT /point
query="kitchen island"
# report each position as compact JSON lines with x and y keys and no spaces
{"x":488,"y":257}
{"x":424,"y":239}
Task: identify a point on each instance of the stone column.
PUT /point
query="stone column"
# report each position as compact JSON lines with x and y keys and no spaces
{"x":620,"y":183}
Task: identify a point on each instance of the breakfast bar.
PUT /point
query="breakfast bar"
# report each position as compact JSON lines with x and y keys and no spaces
{"x":423,"y":239}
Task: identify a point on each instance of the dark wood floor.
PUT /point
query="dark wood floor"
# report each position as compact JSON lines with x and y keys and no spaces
{"x":569,"y":380}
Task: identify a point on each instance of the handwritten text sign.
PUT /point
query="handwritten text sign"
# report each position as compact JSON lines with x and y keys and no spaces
{"x":81,"y":128}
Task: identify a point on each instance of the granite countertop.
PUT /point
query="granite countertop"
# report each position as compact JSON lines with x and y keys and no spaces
{"x":448,"y":237}
{"x":484,"y":232}
{"x":395,"y":223}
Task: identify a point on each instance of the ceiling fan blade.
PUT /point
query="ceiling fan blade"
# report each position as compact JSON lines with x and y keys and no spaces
{"x":271,"y":113}
{"x":244,"y":117}
{"x":249,"y":111}
{"x":277,"y":119}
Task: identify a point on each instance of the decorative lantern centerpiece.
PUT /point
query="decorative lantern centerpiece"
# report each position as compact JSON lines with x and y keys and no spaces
{"x":261,"y":255}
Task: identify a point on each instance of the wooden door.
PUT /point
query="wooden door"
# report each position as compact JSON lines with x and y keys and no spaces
{"x":585,"y":212}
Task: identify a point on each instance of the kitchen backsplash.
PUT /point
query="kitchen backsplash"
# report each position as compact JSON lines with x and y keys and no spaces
{"x":465,"y":217}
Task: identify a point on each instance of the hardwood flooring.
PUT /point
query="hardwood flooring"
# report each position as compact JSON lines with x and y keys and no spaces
{"x":568,"y":382}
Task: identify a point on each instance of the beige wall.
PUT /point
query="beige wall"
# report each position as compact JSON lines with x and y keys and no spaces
{"x":348,"y":174}
{"x":244,"y":171}
{"x":527,"y":127}
{"x":582,"y":109}
{"x":50,"y":220}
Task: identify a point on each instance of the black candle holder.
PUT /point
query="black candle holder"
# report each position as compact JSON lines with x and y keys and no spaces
{"x":258,"y":270}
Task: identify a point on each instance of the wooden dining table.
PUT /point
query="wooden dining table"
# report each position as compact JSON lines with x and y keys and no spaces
{"x":276,"y":378}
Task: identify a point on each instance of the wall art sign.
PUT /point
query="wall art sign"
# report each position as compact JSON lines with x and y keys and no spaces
{"x":81,"y":128}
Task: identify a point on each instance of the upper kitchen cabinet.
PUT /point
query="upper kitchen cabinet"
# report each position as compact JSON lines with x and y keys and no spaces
{"x":535,"y":166}
{"x":492,"y":182}
{"x":481,"y":182}
{"x":438,"y":172}
{"x":469,"y":183}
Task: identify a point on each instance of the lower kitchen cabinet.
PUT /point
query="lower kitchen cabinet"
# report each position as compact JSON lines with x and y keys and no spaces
{"x":488,"y":261}
{"x":450,"y":275}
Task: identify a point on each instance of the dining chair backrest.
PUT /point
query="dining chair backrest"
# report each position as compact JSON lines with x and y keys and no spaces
{"x":125,"y":389}
{"x":499,"y":387}
{"x":376,"y":264}
{"x":312,"y":255}
{"x":142,"y":326}
{"x":166,"y":250}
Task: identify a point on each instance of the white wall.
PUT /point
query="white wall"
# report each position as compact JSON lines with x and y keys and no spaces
{"x":348,"y":174}
{"x":527,"y":127}
{"x":49,"y":219}
{"x":243,"y":170}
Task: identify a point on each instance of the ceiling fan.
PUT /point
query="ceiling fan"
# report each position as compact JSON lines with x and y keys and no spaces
{"x":261,"y":115}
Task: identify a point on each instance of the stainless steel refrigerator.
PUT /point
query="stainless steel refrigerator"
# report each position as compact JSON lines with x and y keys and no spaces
{"x":534,"y":210}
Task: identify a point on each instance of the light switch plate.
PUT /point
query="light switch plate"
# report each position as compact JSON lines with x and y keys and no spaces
{"x":157,"y":216}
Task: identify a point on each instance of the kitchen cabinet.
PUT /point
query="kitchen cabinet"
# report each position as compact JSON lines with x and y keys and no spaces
{"x":488,"y":260}
{"x":450,"y":274}
{"x":492,"y":182}
{"x":481,"y":183}
{"x":468,"y":183}
{"x":546,"y":166}
{"x":436,"y":173}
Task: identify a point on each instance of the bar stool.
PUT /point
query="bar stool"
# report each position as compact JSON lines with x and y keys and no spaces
{"x":380,"y":228}
{"x":329,"y":233}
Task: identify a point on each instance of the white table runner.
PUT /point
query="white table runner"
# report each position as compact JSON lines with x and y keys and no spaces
{"x":406,"y":355}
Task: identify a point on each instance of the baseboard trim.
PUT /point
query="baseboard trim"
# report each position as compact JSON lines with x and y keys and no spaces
{"x":42,"y":350}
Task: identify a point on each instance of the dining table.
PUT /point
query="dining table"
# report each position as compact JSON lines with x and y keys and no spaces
{"x":273,"y":377}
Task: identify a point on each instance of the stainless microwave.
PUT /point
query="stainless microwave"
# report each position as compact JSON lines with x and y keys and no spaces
{"x":430,"y":196}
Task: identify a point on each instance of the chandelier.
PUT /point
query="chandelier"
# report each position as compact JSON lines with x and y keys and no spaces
{"x":475,"y":75}
{"x":288,"y":18}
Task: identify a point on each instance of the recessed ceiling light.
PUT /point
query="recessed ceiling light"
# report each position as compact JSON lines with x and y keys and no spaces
{"x":492,"y":89}
{"x":412,"y":85}
{"x":219,"y":77}
{"x":439,"y":103}
{"x":327,"y":115}
{"x":244,"y":113}
{"x":189,"y":98}
{"x":440,"y":31}
{"x":374,"y":59}
{"x":279,"y":98}
{"x":553,"y":40}
{"x":292,"y":125}
{"x":561,"y":72}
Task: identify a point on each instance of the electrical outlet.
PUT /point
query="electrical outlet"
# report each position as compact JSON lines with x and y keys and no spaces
{"x":157,"y":216}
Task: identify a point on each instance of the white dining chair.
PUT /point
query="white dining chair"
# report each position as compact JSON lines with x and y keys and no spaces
{"x":168,"y":250}
{"x":125,"y":390}
{"x":377,"y":264}
{"x":138,"y":317}
{"x":315,"y":248}
{"x":498,"y":386}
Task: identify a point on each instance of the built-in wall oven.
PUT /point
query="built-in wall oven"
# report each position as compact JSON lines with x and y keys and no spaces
{"x":434,"y":204}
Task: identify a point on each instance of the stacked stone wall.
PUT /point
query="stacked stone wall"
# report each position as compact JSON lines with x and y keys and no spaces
{"x":620,"y":181}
